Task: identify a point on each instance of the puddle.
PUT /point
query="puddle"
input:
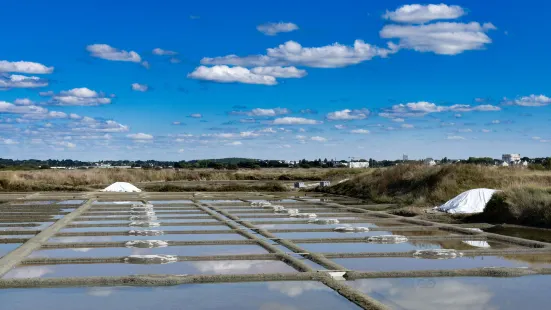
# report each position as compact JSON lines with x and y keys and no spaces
{"x":406,"y":263}
{"x":191,"y":250}
{"x":5,"y":248}
{"x":70,"y":202}
{"x":243,"y":296}
{"x":174,"y":237}
{"x":186,"y":267}
{"x":526,"y":233}
{"x":216,"y":201}
{"x":305,"y":226}
{"x":529,"y":292}
{"x":123,"y":228}
{"x":31,"y":203}
{"x":162,"y":202}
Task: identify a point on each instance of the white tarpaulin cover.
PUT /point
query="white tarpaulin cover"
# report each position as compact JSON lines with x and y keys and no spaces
{"x":471,"y":201}
{"x":121,"y":187}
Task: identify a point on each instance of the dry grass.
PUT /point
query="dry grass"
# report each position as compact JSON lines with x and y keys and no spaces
{"x":45,"y":180}
{"x":521,"y":205}
{"x":428,"y":186}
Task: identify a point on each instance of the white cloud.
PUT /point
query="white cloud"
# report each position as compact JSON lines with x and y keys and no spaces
{"x":455,"y":138}
{"x":360,"y":131}
{"x":418,"y":14}
{"x":139,"y":87}
{"x":196,"y":115}
{"x":8,"y":141}
{"x":268,"y":112}
{"x":318,"y":139}
{"x":21,"y":81}
{"x":140,"y":136}
{"x":465,"y":130}
{"x":398,"y":120}
{"x":421,"y":108}
{"x":74,"y":116}
{"x":234,"y":143}
{"x":181,"y":151}
{"x":300,"y":137}
{"x":249,"y":134}
{"x":280,"y":72}
{"x":529,"y":101}
{"x":10,"y":108}
{"x":295,"y":121}
{"x":268,"y":130}
{"x":225,"y":74}
{"x":23,"y":101}
{"x":65,"y":144}
{"x":162,"y":52}
{"x":496,"y":121}
{"x":348,"y":114}
{"x":536,"y":138}
{"x":292,"y":53}
{"x":271,"y":29}
{"x":340,"y":127}
{"x":88,"y":124}
{"x":407,"y":126}
{"x":80,"y":97}
{"x":486,"y":130}
{"x":441,"y":38}
{"x":107,"y":52}
{"x":24,"y":67}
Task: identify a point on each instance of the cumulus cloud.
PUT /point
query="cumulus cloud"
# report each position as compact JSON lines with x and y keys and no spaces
{"x":234,"y":143}
{"x":225,"y":74}
{"x":23,"y":101}
{"x":418,"y":14}
{"x":140,"y":136}
{"x":196,"y":115}
{"x":10,"y":108}
{"x":455,"y":138}
{"x":280,"y":72}
{"x":295,"y":121}
{"x":79,"y":97}
{"x":407,"y":126}
{"x":271,"y":29}
{"x":107,"y":52}
{"x":8,"y":141}
{"x":443,"y":38}
{"x":268,"y":112}
{"x":360,"y":131}
{"x":529,"y":101}
{"x":347,"y":114}
{"x":422,"y":108}
{"x":24,"y":67}
{"x":139,"y":87}
{"x":292,"y":53}
{"x":162,"y":52}
{"x":88,"y":124}
{"x":21,"y":81}
{"x":318,"y":139}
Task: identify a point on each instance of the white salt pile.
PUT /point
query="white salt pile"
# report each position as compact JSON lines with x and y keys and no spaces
{"x":388,"y":239}
{"x":150,"y":259}
{"x":121,"y":187}
{"x":349,"y":229}
{"x":437,"y":254}
{"x":145,"y":232}
{"x":471,"y":201}
{"x":146,"y":244}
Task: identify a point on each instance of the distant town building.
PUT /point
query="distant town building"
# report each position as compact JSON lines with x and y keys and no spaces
{"x":504,"y":164}
{"x":511,"y":159}
{"x":405,"y":157}
{"x":429,"y":162}
{"x":299,"y":185}
{"x":325,"y":183}
{"x":358,"y":164}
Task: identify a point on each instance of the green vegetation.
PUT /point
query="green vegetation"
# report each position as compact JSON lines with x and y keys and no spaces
{"x":524,"y":206}
{"x":430,"y":186}
{"x":91,"y":179}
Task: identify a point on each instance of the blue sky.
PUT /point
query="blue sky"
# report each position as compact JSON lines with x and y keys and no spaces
{"x":180,"y":80}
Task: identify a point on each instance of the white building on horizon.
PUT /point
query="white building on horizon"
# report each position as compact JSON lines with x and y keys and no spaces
{"x":511,"y":159}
